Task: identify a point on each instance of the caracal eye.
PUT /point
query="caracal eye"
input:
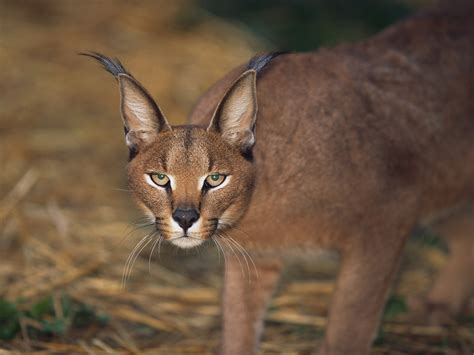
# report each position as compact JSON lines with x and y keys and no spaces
{"x":160,"y":179}
{"x":215,"y":179}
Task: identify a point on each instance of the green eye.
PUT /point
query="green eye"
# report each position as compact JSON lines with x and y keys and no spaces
{"x":160,"y":179}
{"x":215,"y":179}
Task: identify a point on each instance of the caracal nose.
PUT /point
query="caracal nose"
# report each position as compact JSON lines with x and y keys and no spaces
{"x":185,"y":217}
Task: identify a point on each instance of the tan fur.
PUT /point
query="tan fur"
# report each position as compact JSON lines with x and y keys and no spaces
{"x":207,"y":153}
{"x":353,"y":147}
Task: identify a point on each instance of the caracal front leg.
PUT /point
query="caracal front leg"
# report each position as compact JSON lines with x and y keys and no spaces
{"x":455,"y":284}
{"x":363,"y":283}
{"x":245,"y":302}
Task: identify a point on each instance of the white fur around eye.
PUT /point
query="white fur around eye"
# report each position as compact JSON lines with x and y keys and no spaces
{"x":201,"y":182}
{"x":172,"y":182}
{"x":152,"y":184}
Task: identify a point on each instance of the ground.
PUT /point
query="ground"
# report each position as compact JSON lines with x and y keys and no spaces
{"x":67,"y":223}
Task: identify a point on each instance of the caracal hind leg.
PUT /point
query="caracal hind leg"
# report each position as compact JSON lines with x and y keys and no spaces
{"x":363,"y":284}
{"x":245,"y":302}
{"x":455,"y":283}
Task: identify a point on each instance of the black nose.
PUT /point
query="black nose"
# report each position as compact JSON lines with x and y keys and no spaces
{"x":185,"y":218}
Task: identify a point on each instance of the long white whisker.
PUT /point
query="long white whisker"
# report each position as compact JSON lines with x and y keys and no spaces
{"x":227,"y":242}
{"x":242,"y":251}
{"x":132,"y":228}
{"x":162,"y":237}
{"x":135,"y":258}
{"x":218,"y":250}
{"x":151,"y":252}
{"x":230,"y":226}
{"x":128,"y":264}
{"x":250,"y":257}
{"x":129,"y":260}
{"x":223,"y":254}
{"x":131,"y":254}
{"x":239,"y":248}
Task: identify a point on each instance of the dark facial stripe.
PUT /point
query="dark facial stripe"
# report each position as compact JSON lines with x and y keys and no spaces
{"x":163,"y":163}
{"x":132,"y":152}
{"x":211,"y":164}
{"x":188,"y":139}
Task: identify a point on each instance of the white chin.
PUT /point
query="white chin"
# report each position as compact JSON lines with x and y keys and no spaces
{"x":186,"y":242}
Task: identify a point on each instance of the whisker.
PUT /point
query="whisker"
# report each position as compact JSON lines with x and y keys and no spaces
{"x":118,"y":189}
{"x":162,"y":237}
{"x":145,"y":239}
{"x":142,"y":225}
{"x":132,"y":229}
{"x":131,"y":254}
{"x":239,"y":248}
{"x":151,"y":252}
{"x":249,"y":256}
{"x":227,"y":242}
{"x":137,"y":254}
{"x":230,"y":226}
{"x":129,"y":258}
{"x":143,"y":219}
{"x":218,"y":250}
{"x":202,"y":246}
{"x":223,"y":254}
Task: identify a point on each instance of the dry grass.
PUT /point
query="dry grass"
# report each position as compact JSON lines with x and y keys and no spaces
{"x":65,"y":213}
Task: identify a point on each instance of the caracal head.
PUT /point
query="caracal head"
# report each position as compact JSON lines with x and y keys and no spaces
{"x":193,"y":182}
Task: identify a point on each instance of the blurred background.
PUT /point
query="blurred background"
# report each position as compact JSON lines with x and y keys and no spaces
{"x":67,"y":223}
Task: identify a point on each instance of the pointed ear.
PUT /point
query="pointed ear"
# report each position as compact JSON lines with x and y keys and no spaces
{"x":142,"y":118}
{"x":235,"y":115}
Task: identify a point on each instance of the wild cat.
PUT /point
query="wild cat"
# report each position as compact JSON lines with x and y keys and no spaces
{"x":346,"y":149}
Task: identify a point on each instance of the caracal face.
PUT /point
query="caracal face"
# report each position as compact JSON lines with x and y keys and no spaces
{"x":192,"y":184}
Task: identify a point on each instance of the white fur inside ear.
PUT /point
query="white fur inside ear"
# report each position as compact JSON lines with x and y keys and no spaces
{"x":141,"y":115}
{"x":234,"y":112}
{"x":245,"y":138}
{"x":128,"y":140}
{"x":140,"y":110}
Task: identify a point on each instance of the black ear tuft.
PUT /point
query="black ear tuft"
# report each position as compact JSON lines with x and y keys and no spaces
{"x":257,"y":63}
{"x":113,"y":66}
